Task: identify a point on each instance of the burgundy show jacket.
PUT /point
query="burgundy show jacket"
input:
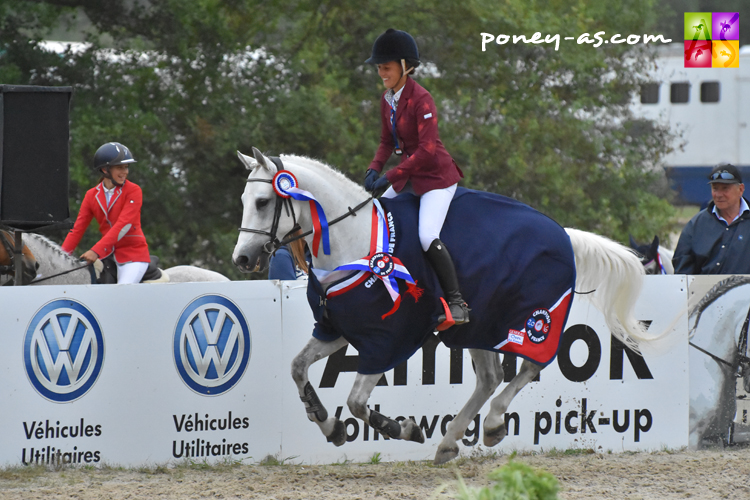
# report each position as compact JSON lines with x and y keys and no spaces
{"x":425,"y":162}
{"x":120,"y":224}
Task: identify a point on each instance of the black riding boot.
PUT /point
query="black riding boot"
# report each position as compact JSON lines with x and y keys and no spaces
{"x":442,"y":263}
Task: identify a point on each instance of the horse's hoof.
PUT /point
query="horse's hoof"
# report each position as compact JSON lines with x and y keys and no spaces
{"x":415,"y":432}
{"x":445,"y":454}
{"x":494,"y":436}
{"x":338,"y":436}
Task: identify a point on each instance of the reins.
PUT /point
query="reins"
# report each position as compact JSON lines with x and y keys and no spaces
{"x":274,"y":244}
{"x":65,"y":272}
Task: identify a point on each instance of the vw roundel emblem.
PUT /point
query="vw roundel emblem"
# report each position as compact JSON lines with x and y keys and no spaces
{"x":63,"y":350}
{"x":211,"y":345}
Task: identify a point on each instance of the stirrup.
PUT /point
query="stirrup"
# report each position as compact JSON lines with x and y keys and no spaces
{"x":456,"y":313}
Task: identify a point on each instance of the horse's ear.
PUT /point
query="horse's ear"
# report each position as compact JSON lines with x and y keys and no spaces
{"x":655,"y":245}
{"x":633,"y":244}
{"x":263,"y":161}
{"x":248,"y":161}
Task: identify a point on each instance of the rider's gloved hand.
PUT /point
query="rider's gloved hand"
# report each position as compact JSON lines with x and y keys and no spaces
{"x":381,"y":184}
{"x":370,"y":177}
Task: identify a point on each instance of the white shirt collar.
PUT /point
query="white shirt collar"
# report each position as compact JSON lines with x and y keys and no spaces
{"x":743,"y":208}
{"x":108,"y":193}
{"x":392,"y":98}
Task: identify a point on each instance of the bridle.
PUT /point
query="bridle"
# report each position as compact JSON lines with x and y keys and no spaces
{"x":274,"y":243}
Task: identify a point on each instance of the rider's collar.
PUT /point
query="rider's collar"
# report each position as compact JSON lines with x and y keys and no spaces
{"x":392,"y":97}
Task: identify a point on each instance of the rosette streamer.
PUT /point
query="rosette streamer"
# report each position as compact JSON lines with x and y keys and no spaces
{"x":380,"y":262}
{"x":285,"y":183}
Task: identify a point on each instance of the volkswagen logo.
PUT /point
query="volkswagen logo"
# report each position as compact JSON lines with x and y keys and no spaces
{"x":211,"y":345}
{"x":63,"y":350}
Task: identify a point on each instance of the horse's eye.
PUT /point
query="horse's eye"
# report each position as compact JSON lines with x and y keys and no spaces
{"x":261,"y":203}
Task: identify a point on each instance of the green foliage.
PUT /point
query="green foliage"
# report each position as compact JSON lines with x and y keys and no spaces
{"x":375,"y":458}
{"x":186,"y":85}
{"x":513,"y":481}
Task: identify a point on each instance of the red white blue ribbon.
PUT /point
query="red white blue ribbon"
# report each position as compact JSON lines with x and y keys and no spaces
{"x":285,"y":184}
{"x":380,"y":263}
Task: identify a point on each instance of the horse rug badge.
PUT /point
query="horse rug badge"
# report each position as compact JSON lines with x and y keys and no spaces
{"x":538,"y":326}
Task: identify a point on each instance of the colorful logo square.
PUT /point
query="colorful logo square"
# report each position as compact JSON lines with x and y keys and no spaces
{"x":711,"y":39}
{"x":698,"y":53}
{"x":726,"y":25}
{"x":698,"y":25}
{"x":726,"y":54}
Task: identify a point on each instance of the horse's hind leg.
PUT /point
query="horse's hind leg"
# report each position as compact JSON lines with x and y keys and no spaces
{"x":407,"y":430}
{"x":494,"y":424}
{"x":333,"y":429}
{"x":489,"y":373}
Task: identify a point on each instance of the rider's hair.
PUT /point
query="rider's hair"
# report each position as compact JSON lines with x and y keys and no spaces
{"x":298,"y":252}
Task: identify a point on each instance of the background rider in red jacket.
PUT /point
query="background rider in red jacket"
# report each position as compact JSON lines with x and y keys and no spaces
{"x":115,"y":203}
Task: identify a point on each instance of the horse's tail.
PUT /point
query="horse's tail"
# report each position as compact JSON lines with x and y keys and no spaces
{"x":616,"y":274}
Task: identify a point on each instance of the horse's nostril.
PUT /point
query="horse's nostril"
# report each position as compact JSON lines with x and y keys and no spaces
{"x":240,"y":261}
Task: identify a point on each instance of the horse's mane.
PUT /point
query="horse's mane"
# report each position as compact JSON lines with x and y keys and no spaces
{"x":715,"y":292}
{"x":53,"y":246}
{"x":325,"y":169}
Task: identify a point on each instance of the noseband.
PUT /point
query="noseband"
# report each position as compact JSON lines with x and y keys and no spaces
{"x":273,"y":243}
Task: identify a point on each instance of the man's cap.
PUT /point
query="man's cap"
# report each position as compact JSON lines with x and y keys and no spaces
{"x":725,"y":173}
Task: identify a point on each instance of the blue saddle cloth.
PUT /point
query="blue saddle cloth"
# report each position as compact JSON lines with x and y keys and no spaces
{"x":512,"y":262}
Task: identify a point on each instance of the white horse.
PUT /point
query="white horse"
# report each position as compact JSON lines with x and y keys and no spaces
{"x":612,"y":269}
{"x":53,"y":260}
{"x":716,"y":325}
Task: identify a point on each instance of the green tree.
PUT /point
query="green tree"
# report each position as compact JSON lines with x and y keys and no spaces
{"x":185,"y":85}
{"x":551,"y":127}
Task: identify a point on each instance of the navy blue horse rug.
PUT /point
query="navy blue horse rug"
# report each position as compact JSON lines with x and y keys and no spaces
{"x":515,"y":267}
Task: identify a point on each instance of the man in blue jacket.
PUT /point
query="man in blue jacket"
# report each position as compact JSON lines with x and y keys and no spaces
{"x":717,"y":239}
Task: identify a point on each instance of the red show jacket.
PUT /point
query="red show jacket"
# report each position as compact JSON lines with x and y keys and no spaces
{"x":425,"y":162}
{"x":120,"y":224}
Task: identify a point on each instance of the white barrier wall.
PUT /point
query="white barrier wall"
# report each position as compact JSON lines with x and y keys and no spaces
{"x":156,"y":373}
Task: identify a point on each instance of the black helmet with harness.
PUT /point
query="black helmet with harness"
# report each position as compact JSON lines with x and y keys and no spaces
{"x":395,"y":45}
{"x":110,"y":155}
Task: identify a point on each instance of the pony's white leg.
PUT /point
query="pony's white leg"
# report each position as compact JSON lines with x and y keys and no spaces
{"x":363,"y":385}
{"x":489,"y":373}
{"x":333,"y":429}
{"x":494,"y":423}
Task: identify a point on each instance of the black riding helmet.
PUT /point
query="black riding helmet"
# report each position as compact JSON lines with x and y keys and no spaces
{"x":394,"y":45}
{"x":111,"y":154}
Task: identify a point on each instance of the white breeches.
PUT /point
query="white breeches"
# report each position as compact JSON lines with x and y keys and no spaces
{"x":131,"y":272}
{"x":433,"y":207}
